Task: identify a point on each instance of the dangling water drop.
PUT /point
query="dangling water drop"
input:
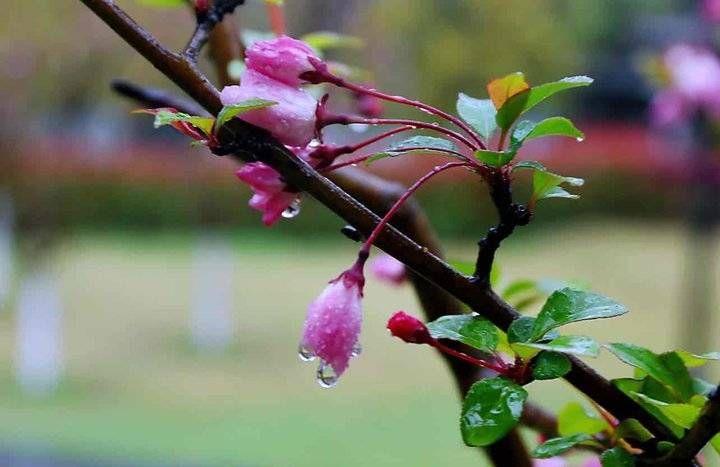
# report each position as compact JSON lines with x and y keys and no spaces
{"x":326,"y":376}
{"x":305,"y":354}
{"x":314,"y":144}
{"x":293,"y":210}
{"x":580,"y":139}
{"x":356,"y":350}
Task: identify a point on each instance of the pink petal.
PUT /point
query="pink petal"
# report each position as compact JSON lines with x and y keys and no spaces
{"x":282,"y":59}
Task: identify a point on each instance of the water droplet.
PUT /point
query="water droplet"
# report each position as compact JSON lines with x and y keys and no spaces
{"x":356,"y":350}
{"x":326,"y":376}
{"x":314,"y":144}
{"x":305,"y":354}
{"x":580,"y":140}
{"x":359,"y":127}
{"x":435,"y":124}
{"x":293,"y":210}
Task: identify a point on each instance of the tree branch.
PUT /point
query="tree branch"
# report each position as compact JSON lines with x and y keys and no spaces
{"x":256,"y":144}
{"x":206,"y":22}
{"x":706,"y":426}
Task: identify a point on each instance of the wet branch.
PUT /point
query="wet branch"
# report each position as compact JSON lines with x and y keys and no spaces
{"x":206,"y":22}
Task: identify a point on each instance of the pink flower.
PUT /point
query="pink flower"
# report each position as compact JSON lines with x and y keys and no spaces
{"x":291,"y":120}
{"x":668,"y":107}
{"x":270,"y":196}
{"x":282,"y":59}
{"x":389,"y":270}
{"x":408,"y":328}
{"x":550,"y":462}
{"x":332,"y":326}
{"x":711,"y":10}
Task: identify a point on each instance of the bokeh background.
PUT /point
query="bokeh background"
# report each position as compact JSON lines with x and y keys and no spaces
{"x":148,"y":319}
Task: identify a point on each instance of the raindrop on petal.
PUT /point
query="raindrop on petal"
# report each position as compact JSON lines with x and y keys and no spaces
{"x":356,"y":350}
{"x":293,"y":210}
{"x":580,"y":139}
{"x":305,"y":354}
{"x":326,"y":376}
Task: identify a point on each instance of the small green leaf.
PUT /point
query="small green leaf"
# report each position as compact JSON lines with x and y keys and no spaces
{"x":550,"y":365}
{"x":322,"y":41}
{"x":520,"y":330}
{"x":575,"y":419}
{"x":472,"y":330}
{"x":491,"y":408}
{"x":502,"y":89}
{"x":547,"y":185}
{"x":553,"y":126}
{"x":682,"y":414}
{"x":543,"y":91}
{"x":511,"y":110}
{"x":494,"y":158}
{"x":479,"y":113}
{"x":556,"y":446}
{"x":416,"y":144}
{"x":659,"y":367}
{"x":533,"y":165}
{"x":230,"y":111}
{"x":693,"y":360}
{"x":167,"y":117}
{"x":632,"y":387}
{"x":715,"y":443}
{"x":630,"y":428}
{"x":568,"y":305}
{"x":576,"y":345}
{"x":617,"y":457}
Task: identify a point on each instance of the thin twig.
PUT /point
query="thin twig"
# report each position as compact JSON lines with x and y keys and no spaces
{"x":206,"y":22}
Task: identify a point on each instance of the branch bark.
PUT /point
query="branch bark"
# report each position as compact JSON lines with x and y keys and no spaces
{"x":255,"y":144}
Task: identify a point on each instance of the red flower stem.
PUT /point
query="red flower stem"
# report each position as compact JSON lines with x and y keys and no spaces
{"x":412,"y":123}
{"x":412,"y":189}
{"x":277,"y":18}
{"x":499,"y":367}
{"x":420,"y":105}
{"x":359,"y":159}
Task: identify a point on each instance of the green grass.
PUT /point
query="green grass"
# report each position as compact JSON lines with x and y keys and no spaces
{"x":135,"y":389}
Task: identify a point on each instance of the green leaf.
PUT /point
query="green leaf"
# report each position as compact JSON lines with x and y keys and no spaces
{"x":502,"y":89}
{"x":511,"y":110}
{"x":533,"y":165}
{"x":166,"y":117}
{"x":543,"y":91}
{"x":479,"y":113}
{"x":631,"y":428}
{"x":547,"y":185}
{"x":472,"y":330}
{"x":520,"y":330}
{"x":575,"y":419}
{"x":491,"y":408}
{"x":617,"y":457}
{"x":323,"y":41}
{"x":682,"y":414}
{"x":715,"y":443}
{"x":556,"y":446}
{"x":568,"y":305}
{"x":416,"y":144}
{"x":576,"y":345}
{"x":550,"y":365}
{"x":660,"y":368}
{"x":632,"y":387}
{"x":230,"y":111}
{"x":693,"y":360}
{"x":553,"y":126}
{"x":494,"y":158}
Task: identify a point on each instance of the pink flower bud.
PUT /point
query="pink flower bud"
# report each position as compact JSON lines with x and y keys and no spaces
{"x":282,"y":59}
{"x":408,"y":328}
{"x":201,"y":6}
{"x":270,"y":196}
{"x":332,"y":326}
{"x":389,"y":270}
{"x":291,"y":120}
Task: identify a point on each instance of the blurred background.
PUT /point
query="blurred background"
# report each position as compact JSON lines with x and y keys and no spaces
{"x":147,"y":318}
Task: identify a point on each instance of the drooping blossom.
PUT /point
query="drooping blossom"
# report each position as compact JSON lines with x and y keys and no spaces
{"x":389,"y":270}
{"x":710,"y":10}
{"x":270,"y":196}
{"x":283,"y":59}
{"x":332,"y":326}
{"x":408,"y":328}
{"x":291,"y":120}
{"x":693,"y":75}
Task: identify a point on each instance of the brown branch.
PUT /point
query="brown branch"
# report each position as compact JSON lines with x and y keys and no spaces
{"x":706,"y":426}
{"x":255,"y":144}
{"x":206,"y":22}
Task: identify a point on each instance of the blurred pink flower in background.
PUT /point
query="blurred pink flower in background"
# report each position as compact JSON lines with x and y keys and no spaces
{"x":710,"y":10}
{"x":693,"y":75}
{"x":387,"y":269}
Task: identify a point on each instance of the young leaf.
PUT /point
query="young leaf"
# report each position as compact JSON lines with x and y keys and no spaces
{"x":416,"y":144}
{"x":479,"y":113}
{"x":230,"y":111}
{"x":576,"y":345}
{"x":322,"y":41}
{"x":568,"y":305}
{"x":520,"y":330}
{"x":655,"y":366}
{"x":575,"y":419}
{"x":553,"y":126}
{"x":512,"y":109}
{"x":472,"y":330}
{"x":633,"y":387}
{"x":682,"y":414}
{"x":550,"y":365}
{"x":617,"y":457}
{"x":491,"y":408}
{"x":630,"y":428}
{"x":547,"y":185}
{"x":502,"y":89}
{"x":556,"y":446}
{"x":692,"y":360}
{"x":532,"y":165}
{"x":543,"y":91}
{"x":167,"y":117}
{"x":494,"y":158}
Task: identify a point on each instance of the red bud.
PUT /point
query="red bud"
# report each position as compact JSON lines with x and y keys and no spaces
{"x":408,"y":328}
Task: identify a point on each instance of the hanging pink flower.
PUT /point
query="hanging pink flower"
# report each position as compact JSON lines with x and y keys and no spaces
{"x":282,"y":58}
{"x":389,"y":270}
{"x":332,"y":326}
{"x":270,"y":196}
{"x":291,"y":120}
